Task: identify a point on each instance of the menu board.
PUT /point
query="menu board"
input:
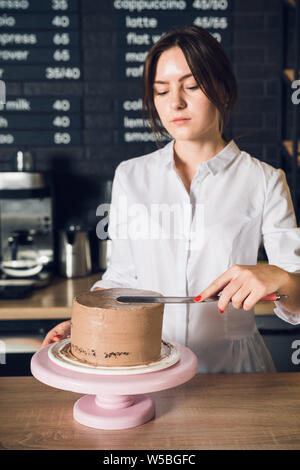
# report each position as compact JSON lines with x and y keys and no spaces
{"x":139,"y":24}
{"x":40,"y":42}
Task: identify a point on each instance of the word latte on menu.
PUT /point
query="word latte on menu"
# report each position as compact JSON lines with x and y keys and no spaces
{"x":140,"y":22}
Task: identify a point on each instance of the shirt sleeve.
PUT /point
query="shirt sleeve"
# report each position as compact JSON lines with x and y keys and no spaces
{"x":121,"y":269}
{"x":280,"y":234}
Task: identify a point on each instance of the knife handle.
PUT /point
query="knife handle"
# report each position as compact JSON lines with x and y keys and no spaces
{"x":274,"y":296}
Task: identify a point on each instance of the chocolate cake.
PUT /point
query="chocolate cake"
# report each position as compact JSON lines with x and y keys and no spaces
{"x":105,"y":332}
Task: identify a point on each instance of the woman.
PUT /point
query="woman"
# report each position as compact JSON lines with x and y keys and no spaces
{"x":222,"y":203}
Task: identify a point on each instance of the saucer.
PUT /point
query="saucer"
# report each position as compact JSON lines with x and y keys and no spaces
{"x":58,"y":353}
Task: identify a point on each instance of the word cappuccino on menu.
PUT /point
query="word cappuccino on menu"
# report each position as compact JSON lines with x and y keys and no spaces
{"x":141,"y":5}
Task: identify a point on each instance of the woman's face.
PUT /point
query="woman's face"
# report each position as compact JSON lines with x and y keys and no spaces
{"x":183,"y":108}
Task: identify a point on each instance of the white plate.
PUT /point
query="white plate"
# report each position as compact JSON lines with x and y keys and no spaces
{"x":57,"y":353}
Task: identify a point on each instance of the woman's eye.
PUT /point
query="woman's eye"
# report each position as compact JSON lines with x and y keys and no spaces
{"x":161,"y":93}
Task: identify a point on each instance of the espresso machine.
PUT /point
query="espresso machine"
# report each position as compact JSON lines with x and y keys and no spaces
{"x":26,"y":228}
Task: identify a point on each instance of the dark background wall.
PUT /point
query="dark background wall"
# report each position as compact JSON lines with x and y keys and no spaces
{"x":80,"y":173}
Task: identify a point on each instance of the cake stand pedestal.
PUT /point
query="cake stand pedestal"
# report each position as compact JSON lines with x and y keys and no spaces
{"x":113,"y":401}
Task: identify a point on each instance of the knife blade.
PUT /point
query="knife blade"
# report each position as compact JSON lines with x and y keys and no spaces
{"x":185,"y":300}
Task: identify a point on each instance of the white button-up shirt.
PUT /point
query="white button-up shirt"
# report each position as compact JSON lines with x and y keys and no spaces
{"x":236,"y":202}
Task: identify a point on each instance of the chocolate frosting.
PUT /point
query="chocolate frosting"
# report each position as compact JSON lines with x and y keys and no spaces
{"x":106,"y":298}
{"x":111,"y":333}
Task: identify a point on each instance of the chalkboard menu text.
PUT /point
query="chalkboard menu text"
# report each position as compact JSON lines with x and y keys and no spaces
{"x":40,"y":41}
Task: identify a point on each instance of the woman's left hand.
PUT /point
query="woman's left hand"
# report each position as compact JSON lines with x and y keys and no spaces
{"x":245,"y":285}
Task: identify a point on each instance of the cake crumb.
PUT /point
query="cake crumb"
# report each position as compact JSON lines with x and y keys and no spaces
{"x":115,"y":354}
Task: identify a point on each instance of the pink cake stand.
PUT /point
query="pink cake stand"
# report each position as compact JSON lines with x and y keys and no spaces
{"x":113,"y":401}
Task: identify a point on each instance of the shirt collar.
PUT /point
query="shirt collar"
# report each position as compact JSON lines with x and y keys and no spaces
{"x":216,"y":164}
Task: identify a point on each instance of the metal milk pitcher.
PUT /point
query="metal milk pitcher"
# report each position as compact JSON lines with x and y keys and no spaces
{"x":74,"y":252}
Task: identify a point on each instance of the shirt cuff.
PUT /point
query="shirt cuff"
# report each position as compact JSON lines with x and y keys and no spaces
{"x":292,"y":318}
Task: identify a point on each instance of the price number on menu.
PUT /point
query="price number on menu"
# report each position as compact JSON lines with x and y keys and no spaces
{"x":61,"y":105}
{"x":61,"y":55}
{"x":61,"y":39}
{"x":60,"y":5}
{"x":210,"y":4}
{"x":61,"y":21}
{"x":62,"y":138}
{"x":210,"y":22}
{"x":61,"y":121}
{"x":58,"y":73}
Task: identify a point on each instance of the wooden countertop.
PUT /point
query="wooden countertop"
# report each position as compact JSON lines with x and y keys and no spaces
{"x":214,"y":411}
{"x":55,"y":301}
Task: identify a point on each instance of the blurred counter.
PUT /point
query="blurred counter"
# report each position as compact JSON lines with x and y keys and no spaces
{"x":52,"y":301}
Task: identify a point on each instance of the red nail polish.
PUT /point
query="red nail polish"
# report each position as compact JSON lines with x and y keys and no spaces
{"x":221,"y":311}
{"x":196,"y":299}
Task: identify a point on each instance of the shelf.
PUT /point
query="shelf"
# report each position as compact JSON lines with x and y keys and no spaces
{"x":288,"y":146}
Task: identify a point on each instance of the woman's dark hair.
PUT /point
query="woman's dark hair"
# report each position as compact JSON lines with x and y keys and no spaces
{"x":209,"y":65}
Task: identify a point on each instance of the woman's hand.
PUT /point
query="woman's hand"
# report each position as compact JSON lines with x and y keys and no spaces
{"x":59,"y":332}
{"x":244,"y":286}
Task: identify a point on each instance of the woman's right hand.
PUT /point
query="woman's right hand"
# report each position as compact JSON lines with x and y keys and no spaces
{"x":59,"y":332}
